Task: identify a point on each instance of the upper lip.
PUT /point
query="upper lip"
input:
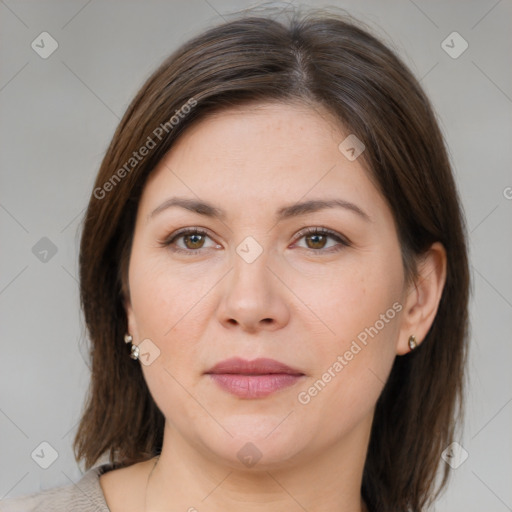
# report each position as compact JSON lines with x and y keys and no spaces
{"x":261,"y":366}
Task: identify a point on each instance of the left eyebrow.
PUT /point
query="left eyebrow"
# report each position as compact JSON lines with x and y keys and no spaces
{"x":312,"y":206}
{"x":286,"y":212}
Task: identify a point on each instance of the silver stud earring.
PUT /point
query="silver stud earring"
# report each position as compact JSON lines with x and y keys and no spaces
{"x":135,"y":349}
{"x":412,"y":342}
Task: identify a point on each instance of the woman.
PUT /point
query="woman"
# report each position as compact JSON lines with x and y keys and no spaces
{"x":274,"y":278}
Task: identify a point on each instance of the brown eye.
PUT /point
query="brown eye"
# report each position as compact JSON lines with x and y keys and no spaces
{"x":188,"y":241}
{"x":193,"y":241}
{"x":317,"y":241}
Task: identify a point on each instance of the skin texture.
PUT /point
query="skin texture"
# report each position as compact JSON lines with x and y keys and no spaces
{"x":298,"y":302}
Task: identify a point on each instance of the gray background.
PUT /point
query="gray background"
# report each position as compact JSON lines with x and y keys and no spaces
{"x":57,"y":117}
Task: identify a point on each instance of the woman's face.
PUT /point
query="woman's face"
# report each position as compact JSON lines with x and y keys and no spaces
{"x":255,"y":284}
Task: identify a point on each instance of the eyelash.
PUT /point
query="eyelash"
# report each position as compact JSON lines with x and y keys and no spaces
{"x":342,"y":242}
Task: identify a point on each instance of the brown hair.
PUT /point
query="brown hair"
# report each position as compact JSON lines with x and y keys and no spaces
{"x":328,"y":60}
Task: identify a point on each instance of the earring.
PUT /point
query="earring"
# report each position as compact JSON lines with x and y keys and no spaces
{"x":412,"y":342}
{"x":135,"y":349}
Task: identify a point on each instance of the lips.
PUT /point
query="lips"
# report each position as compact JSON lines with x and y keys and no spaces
{"x":255,"y":367}
{"x":253,"y":379}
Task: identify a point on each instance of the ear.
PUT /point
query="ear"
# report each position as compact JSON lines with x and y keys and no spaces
{"x":422,"y":297}
{"x":130,"y":319}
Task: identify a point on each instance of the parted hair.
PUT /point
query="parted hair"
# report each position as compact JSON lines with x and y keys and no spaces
{"x":326,"y":59}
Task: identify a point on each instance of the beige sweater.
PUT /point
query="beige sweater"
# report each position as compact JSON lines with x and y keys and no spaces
{"x":84,"y":496}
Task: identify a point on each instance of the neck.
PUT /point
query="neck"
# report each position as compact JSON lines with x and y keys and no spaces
{"x":184,"y":478}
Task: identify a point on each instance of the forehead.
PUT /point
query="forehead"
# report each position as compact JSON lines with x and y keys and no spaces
{"x":260,"y":154}
{"x":287,"y":131}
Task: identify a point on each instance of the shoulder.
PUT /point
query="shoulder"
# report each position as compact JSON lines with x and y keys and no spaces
{"x":83,"y":496}
{"x":125,"y":487}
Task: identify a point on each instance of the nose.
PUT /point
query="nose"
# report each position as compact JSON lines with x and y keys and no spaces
{"x":253,"y":296}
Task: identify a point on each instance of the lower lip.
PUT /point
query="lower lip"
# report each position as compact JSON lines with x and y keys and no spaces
{"x":254,"y":386}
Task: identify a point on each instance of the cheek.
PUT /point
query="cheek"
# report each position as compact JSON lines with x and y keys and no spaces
{"x":346,"y":300}
{"x":360,"y":308}
{"x":163,"y":296}
{"x":169,"y":311}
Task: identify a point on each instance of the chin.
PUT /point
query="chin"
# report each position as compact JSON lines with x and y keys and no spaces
{"x":258,"y":442}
